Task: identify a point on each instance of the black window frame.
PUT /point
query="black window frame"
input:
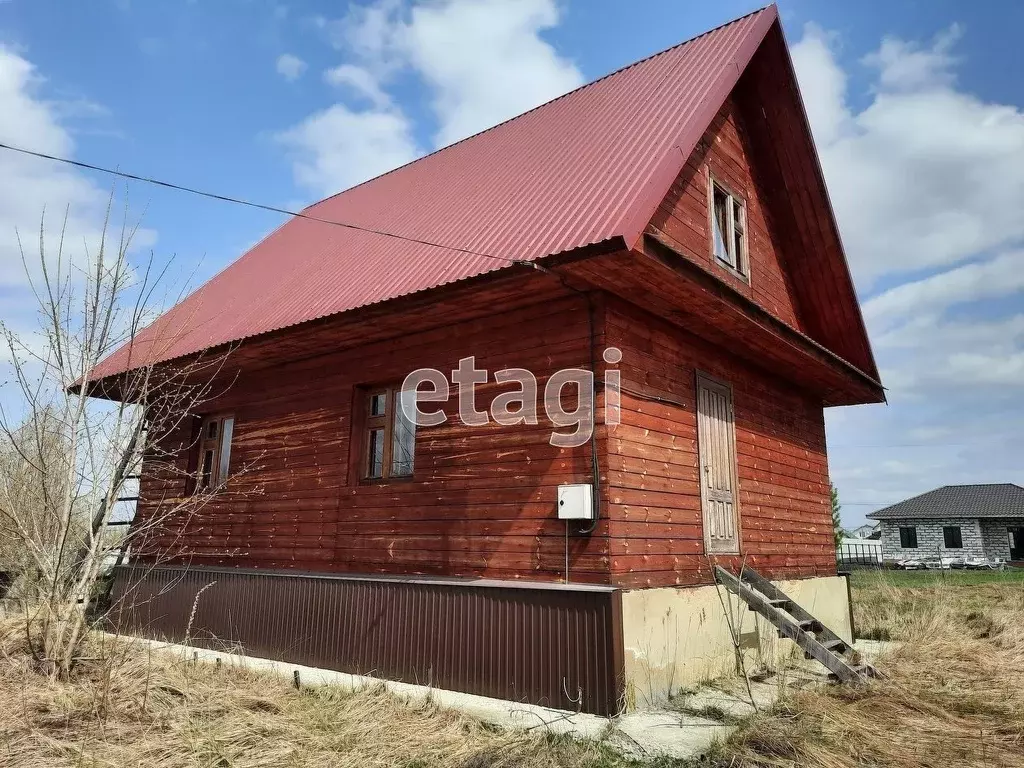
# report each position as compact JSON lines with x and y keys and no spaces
{"x":954,"y":532}
{"x":908,"y":537}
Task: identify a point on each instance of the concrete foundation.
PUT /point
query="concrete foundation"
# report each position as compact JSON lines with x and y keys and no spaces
{"x":677,"y":637}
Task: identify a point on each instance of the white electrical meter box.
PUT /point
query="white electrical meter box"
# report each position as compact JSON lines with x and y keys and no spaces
{"x":575,"y":502}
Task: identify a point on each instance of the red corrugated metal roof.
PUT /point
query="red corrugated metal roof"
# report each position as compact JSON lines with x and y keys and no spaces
{"x":587,"y":167}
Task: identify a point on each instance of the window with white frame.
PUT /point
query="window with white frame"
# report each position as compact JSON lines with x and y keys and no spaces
{"x":729,"y":229}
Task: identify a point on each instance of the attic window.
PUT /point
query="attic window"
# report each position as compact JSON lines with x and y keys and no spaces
{"x":729,"y":229}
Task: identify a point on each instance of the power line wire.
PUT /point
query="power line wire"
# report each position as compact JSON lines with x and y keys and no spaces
{"x":358,"y":228}
{"x":903,"y":445}
{"x":251,"y":204}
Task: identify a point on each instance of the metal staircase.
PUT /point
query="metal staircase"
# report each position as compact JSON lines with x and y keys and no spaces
{"x":792,"y":621}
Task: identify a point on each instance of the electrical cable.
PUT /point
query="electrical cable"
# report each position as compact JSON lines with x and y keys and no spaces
{"x":419,"y":241}
{"x":251,"y":204}
{"x":595,"y":497}
{"x":595,"y":466}
{"x":382,"y":233}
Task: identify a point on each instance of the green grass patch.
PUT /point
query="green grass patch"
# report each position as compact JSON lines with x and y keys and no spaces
{"x":951,"y":578}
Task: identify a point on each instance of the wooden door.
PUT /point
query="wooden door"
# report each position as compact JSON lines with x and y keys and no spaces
{"x":716,"y":436}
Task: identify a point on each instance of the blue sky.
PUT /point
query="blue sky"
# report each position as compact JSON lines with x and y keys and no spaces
{"x":916,"y":108}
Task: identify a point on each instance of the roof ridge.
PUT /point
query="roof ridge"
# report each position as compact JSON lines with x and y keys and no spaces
{"x":618,"y":71}
{"x":976,"y":485}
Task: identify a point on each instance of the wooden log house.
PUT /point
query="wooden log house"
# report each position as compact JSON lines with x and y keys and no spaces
{"x":674,"y":210}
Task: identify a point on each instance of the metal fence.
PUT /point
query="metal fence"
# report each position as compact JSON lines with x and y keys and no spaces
{"x":861,"y":555}
{"x":546,"y":644}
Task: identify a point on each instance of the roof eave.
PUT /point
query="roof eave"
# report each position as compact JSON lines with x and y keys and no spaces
{"x":945,"y":515}
{"x":108,"y":386}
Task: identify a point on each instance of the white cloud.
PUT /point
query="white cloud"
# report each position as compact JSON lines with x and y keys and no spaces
{"x":290,"y":67}
{"x":485,"y":61}
{"x":367,"y":32}
{"x":30,"y":185}
{"x":30,"y":118}
{"x":932,"y":359}
{"x":481,"y":62}
{"x":823,"y":85}
{"x":924,"y":177}
{"x":988,"y":279}
{"x":338,"y":147}
{"x":905,"y":66}
{"x":360,"y":81}
{"x":927,"y":180}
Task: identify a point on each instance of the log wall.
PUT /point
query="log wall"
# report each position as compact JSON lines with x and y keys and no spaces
{"x":683,"y":218}
{"x":656,"y":534}
{"x":481,"y":501}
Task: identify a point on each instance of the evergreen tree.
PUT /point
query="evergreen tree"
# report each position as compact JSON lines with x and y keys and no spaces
{"x":837,"y":523}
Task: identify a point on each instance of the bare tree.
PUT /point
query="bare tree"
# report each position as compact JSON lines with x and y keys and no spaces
{"x":23,"y":487}
{"x":72,"y":440}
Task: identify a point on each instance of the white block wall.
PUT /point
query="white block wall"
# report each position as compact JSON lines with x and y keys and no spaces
{"x":995,"y":537}
{"x":930,"y":543}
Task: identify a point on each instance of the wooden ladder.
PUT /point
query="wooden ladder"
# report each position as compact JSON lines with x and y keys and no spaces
{"x":817,"y":641}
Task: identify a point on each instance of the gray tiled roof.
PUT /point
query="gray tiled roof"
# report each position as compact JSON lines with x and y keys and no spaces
{"x":996,"y":500}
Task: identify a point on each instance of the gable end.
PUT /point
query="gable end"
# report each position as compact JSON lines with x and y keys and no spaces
{"x":683,"y":220}
{"x":760,"y":142}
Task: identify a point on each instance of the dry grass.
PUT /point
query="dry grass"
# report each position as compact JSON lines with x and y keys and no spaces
{"x":951,"y":694}
{"x":139,"y":710}
{"x":951,"y":697}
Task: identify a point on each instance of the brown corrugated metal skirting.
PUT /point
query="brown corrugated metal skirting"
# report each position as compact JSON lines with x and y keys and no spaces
{"x":541,"y":644}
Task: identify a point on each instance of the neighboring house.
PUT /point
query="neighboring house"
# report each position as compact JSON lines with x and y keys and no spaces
{"x":668,"y":223}
{"x":984,"y":521}
{"x":865,"y":532}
